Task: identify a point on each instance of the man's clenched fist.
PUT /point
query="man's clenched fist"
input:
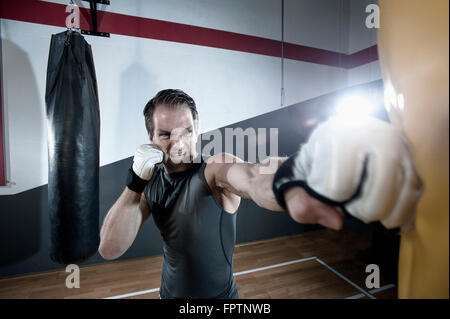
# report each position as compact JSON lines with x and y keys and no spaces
{"x":365,"y":167}
{"x":145,"y":159}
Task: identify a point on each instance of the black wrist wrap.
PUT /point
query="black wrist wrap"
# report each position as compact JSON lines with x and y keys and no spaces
{"x":284,"y":179}
{"x":134,"y":182}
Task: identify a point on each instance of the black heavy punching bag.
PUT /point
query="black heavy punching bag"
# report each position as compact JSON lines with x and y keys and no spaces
{"x":73,"y":149}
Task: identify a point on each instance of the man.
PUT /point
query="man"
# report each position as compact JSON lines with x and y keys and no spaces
{"x":193,"y":202}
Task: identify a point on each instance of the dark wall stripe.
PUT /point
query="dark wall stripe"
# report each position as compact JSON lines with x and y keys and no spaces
{"x":53,"y":14}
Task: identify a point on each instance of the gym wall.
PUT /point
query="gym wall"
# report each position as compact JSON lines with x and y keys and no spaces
{"x":362,"y":43}
{"x":327,"y":48}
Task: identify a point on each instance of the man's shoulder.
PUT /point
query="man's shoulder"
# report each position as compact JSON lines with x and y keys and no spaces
{"x":222,"y":158}
{"x":213,"y":165}
{"x":218,"y":165}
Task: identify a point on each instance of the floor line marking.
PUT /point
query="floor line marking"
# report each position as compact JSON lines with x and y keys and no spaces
{"x":235,"y":274}
{"x":143,"y":292}
{"x":373,"y":291}
{"x":389,"y":286}
{"x":346,"y":279}
{"x":274,"y":266}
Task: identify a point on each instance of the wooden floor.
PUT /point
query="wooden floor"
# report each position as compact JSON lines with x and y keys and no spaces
{"x":333,"y":272}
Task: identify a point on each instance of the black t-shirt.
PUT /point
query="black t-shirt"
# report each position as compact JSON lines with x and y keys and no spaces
{"x":198,"y":235}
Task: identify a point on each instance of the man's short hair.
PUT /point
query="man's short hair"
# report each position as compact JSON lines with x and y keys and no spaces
{"x":172,"y":98}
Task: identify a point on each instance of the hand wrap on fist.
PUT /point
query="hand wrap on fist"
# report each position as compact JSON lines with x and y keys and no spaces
{"x":364,"y":167}
{"x":144,"y":161}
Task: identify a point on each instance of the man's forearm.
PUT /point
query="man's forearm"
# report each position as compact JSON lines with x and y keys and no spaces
{"x":120,"y":225}
{"x":261,"y":191}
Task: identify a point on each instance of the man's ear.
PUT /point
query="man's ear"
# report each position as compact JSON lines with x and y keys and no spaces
{"x":150,"y":137}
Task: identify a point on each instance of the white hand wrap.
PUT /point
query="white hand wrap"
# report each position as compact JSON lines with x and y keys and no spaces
{"x":366,"y":167}
{"x":145,"y":159}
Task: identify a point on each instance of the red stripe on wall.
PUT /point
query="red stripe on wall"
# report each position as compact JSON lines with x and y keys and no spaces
{"x":362,"y":57}
{"x":313,"y":55}
{"x":54,"y":14}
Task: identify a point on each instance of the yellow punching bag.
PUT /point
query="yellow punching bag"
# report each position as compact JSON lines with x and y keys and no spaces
{"x":413,"y":45}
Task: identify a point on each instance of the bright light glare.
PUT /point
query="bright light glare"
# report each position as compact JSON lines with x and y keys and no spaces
{"x":390,"y":97}
{"x":354,"y":108}
{"x":401,"y":102}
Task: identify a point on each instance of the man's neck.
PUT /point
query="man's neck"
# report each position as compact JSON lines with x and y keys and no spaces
{"x":171,"y":169}
{"x":177,"y":168}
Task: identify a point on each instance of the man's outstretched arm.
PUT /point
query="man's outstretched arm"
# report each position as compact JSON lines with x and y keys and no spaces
{"x":245,"y":179}
{"x":255,"y":182}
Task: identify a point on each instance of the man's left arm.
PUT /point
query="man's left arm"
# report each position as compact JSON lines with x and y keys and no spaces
{"x":255,"y":182}
{"x":247,"y":180}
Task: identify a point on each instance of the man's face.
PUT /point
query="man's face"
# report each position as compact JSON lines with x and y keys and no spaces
{"x":174,"y":133}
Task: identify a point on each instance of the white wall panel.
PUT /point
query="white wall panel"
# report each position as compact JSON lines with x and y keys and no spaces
{"x":305,"y":81}
{"x":364,"y":73}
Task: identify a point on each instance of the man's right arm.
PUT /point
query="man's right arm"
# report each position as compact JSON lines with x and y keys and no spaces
{"x":122,"y":224}
{"x":131,"y":210}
